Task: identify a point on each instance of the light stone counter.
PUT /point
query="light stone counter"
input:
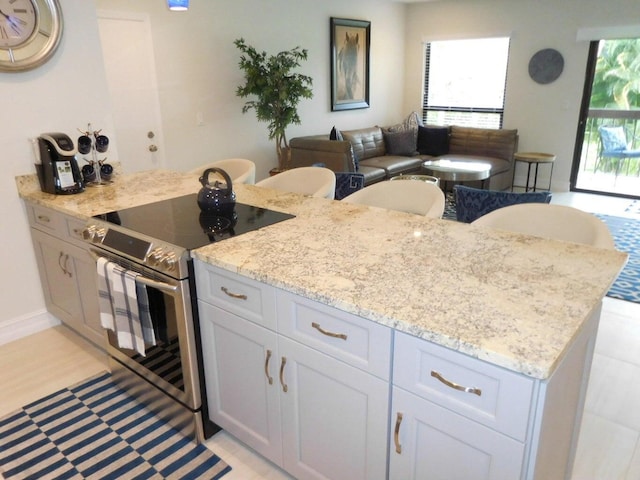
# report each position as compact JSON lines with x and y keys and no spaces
{"x":513,"y":300}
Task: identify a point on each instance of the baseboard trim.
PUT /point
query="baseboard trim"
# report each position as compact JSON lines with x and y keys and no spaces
{"x":16,"y":328}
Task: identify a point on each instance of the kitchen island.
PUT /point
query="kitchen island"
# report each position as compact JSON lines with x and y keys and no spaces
{"x":487,"y":301}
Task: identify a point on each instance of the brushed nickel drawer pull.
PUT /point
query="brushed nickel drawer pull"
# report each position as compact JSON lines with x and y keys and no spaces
{"x":44,"y":218}
{"x":328,"y":334}
{"x":396,"y":434}
{"x":266,"y":367}
{"x":239,"y":296}
{"x":285,"y":389}
{"x":455,"y":386}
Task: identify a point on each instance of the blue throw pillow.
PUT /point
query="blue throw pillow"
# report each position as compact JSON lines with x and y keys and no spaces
{"x":472,"y":203}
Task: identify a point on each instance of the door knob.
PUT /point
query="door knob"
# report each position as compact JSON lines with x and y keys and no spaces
{"x":153,"y":148}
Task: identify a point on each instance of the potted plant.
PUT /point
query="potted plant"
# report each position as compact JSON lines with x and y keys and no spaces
{"x":277,"y":90}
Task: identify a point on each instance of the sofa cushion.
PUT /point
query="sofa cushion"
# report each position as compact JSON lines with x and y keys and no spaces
{"x":366,"y":142}
{"x":400,"y":143}
{"x":484,"y":142}
{"x":409,"y":124}
{"x":433,"y":140}
{"x":394,"y":164}
{"x":372,"y":174}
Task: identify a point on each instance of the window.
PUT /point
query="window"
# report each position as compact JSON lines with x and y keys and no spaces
{"x":465,"y":82}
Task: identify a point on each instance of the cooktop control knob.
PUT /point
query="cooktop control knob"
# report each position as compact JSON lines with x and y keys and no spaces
{"x":169,"y":261}
{"x":99,"y":235}
{"x":89,"y":232}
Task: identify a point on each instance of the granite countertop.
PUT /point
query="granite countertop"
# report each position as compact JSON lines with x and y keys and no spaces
{"x":513,"y":300}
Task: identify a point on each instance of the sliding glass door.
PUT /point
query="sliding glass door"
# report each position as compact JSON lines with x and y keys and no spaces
{"x":607,"y":151}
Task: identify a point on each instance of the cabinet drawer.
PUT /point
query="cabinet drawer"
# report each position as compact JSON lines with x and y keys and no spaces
{"x":73,"y":230}
{"x":352,"y":339}
{"x":495,"y":397}
{"x":246,"y":298}
{"x":46,"y":220}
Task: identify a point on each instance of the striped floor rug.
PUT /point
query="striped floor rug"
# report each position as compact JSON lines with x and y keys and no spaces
{"x":626,"y":234}
{"x":94,"y":430}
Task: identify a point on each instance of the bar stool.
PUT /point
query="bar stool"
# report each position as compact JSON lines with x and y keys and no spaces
{"x":532,"y":158}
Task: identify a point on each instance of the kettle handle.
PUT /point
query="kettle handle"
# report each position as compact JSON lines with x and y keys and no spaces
{"x":204,"y":179}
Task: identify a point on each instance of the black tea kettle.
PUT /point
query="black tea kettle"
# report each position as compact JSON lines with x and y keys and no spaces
{"x":217,"y":199}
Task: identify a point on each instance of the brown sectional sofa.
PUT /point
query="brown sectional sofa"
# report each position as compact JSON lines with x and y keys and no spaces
{"x":380,"y":154}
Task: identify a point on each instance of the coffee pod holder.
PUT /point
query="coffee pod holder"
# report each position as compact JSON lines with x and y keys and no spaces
{"x":91,"y":142}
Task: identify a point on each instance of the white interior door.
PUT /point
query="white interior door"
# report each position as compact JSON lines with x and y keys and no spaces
{"x":127,"y":49}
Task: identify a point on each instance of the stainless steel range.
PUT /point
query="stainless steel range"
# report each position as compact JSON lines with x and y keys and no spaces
{"x":155,"y":241}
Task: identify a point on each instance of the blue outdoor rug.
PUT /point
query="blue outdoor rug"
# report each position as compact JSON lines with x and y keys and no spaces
{"x":626,"y":233}
{"x":94,"y":430}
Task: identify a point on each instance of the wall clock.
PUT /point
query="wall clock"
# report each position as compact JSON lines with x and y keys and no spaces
{"x":30,"y":31}
{"x":546,"y":65}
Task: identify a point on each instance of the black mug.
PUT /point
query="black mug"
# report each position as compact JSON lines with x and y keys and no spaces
{"x":102,"y":143}
{"x":84,"y":144}
{"x":106,"y":171}
{"x":88,"y":173}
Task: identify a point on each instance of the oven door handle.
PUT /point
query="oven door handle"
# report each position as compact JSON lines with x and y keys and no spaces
{"x":161,"y":286}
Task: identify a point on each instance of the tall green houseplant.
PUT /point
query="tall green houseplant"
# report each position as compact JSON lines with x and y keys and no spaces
{"x":277,"y":91}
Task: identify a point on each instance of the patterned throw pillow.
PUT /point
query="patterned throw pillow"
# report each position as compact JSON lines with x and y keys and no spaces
{"x":400,"y":143}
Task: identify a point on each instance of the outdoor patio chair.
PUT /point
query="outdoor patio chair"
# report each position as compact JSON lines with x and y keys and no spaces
{"x":614,"y":145}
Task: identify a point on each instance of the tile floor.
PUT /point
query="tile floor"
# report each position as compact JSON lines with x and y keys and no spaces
{"x":609,"y":444}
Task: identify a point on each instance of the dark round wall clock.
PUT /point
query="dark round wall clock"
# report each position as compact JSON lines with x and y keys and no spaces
{"x":546,"y":66}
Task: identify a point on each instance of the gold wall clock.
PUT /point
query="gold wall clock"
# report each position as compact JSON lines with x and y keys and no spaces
{"x":30,"y":31}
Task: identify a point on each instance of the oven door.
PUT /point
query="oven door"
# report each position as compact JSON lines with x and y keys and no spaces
{"x":170,"y":365}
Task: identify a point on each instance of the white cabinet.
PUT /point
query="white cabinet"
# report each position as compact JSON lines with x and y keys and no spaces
{"x":317,"y":416}
{"x":455,"y":417}
{"x":67,"y":271}
{"x":319,"y":392}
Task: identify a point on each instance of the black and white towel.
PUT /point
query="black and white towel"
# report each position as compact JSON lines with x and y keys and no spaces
{"x":124,"y":306}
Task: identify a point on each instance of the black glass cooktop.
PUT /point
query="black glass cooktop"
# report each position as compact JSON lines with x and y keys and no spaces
{"x":180,"y":222}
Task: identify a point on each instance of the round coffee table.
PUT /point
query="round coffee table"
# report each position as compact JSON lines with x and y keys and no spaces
{"x":457,"y":169}
{"x":422,"y":178}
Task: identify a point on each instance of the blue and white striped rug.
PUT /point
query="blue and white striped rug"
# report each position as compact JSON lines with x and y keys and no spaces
{"x":626,"y":234}
{"x":96,"y":430}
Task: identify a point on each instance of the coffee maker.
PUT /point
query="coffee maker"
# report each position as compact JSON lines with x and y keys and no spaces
{"x":58,"y":170}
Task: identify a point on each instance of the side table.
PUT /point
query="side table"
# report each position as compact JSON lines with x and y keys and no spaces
{"x":532,"y":158}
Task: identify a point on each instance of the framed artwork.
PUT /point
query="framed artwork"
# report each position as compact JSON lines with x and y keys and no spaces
{"x":350,"y":42}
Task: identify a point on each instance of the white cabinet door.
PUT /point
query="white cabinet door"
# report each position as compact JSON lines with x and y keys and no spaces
{"x":334,"y":417}
{"x":431,"y":442}
{"x":68,"y":281}
{"x":58,"y":277}
{"x":241,"y":377}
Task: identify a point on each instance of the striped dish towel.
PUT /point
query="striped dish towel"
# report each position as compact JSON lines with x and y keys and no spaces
{"x":124,"y":306}
{"x":105,"y":301}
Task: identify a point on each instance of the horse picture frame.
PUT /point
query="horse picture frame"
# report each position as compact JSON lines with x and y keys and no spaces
{"x":350,"y":45}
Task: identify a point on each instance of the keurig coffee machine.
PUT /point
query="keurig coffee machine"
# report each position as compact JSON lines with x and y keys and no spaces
{"x":58,"y":170}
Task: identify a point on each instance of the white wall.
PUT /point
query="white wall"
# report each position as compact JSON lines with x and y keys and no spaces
{"x":196,"y":64}
{"x":545,"y":115}
{"x":64,"y":94}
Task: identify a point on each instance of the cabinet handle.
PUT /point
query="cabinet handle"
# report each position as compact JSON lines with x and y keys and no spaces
{"x":63,"y":266}
{"x":266,"y":367}
{"x":285,"y":389}
{"x":239,"y":296}
{"x":396,"y":433}
{"x":455,"y":386}
{"x":44,"y":218}
{"x":328,"y":334}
